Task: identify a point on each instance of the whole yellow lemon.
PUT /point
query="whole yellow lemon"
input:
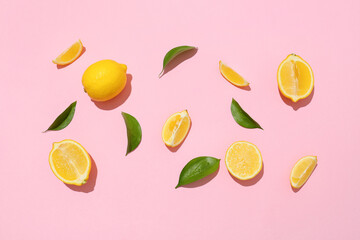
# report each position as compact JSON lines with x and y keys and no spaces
{"x":104,"y":80}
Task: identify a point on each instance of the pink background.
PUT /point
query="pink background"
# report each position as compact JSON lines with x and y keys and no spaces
{"x":133,"y":197}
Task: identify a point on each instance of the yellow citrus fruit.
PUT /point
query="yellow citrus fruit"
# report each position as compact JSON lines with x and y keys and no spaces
{"x":70,"y":162}
{"x":302,"y":171}
{"x":104,"y":80}
{"x":176,"y":128}
{"x":70,"y":54}
{"x":243,"y":160}
{"x":295,"y":78}
{"x":232,"y":76}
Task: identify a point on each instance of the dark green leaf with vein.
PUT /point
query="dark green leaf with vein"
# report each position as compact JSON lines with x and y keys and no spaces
{"x":197,"y":169}
{"x":64,"y":119}
{"x":134,"y":133}
{"x":170,"y":55}
{"x":241,"y":117}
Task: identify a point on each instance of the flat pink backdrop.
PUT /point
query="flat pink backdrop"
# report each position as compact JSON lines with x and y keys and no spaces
{"x":134,"y":197}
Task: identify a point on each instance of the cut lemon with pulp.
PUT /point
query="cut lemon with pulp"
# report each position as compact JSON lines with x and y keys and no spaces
{"x":70,"y":162}
{"x":232,"y":76}
{"x":243,"y":160}
{"x":302,"y":171}
{"x":70,"y":54}
{"x":295,"y":78}
{"x":176,"y":128}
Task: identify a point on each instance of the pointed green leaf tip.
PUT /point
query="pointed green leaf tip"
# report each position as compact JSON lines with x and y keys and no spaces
{"x":170,"y":55}
{"x":133,"y":130}
{"x":241,"y":117}
{"x":64,"y":119}
{"x":197,"y":169}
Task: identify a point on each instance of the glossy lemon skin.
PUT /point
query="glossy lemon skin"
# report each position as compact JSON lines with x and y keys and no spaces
{"x":104,"y":80}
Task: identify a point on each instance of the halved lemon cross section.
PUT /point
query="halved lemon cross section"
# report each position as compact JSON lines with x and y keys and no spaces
{"x":70,"y":162}
{"x":295,"y":78}
{"x":243,"y":160}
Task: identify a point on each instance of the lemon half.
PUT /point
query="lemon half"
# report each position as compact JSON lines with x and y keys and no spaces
{"x":295,"y":78}
{"x":70,"y":162}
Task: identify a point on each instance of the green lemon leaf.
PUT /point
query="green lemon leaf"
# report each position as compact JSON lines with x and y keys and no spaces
{"x":241,"y":117}
{"x":64,"y":119}
{"x":197,"y":169}
{"x":170,"y":55}
{"x":133,"y":130}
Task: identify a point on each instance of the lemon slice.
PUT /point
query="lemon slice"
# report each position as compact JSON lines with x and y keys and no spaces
{"x":295,"y":78}
{"x":243,"y":160}
{"x":232,"y":76}
{"x":70,"y":162}
{"x":70,"y":54}
{"x":302,"y":171}
{"x":176,"y":128}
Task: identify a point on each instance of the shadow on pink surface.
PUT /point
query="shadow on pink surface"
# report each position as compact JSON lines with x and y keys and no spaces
{"x":299,"y":104}
{"x":63,"y":66}
{"x":175,"y":149}
{"x":295,"y":190}
{"x":252,"y":181}
{"x":245,"y":88}
{"x":179,"y":59}
{"x":90,"y":185}
{"x":119,"y":99}
{"x":202,"y":181}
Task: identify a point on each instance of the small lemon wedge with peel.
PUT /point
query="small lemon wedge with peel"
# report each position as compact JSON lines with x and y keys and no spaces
{"x":302,"y":171}
{"x":176,"y":128}
{"x":295,"y":78}
{"x":243,"y":160}
{"x":70,"y":54}
{"x":232,"y":76}
{"x":70,"y":162}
